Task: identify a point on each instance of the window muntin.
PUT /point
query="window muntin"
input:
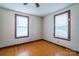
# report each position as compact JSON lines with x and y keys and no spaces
{"x":21,"y":26}
{"x":62,"y":25}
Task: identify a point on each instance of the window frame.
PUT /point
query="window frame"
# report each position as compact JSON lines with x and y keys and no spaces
{"x":16,"y":26}
{"x":69,"y":25}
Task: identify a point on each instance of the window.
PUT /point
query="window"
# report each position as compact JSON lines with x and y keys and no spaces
{"x":62,"y":25}
{"x":21,"y":26}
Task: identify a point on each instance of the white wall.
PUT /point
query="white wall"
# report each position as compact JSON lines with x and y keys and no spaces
{"x":49,"y":29}
{"x":37,"y":27}
{"x":7,"y":28}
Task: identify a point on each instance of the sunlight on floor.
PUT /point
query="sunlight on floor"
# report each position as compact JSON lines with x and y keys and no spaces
{"x":23,"y":54}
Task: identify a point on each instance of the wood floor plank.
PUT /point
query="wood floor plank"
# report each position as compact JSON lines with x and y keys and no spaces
{"x":37,"y":48}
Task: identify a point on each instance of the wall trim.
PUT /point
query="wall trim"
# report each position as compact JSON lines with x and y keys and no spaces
{"x":37,"y":41}
{"x":61,"y":46}
{"x":20,"y":44}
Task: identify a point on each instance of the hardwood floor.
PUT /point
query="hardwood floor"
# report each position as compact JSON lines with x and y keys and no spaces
{"x":37,"y":48}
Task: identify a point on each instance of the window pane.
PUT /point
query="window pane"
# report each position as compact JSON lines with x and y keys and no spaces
{"x":21,"y":31}
{"x":22,"y":21}
{"x":21,"y":26}
{"x":61,"y":26}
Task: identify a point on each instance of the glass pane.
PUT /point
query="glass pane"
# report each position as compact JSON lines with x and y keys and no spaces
{"x":22,"y":31}
{"x":22,"y":21}
{"x":21,"y":26}
{"x":61,"y":26}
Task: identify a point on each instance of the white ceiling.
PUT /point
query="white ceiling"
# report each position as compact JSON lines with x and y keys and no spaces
{"x":44,"y":9}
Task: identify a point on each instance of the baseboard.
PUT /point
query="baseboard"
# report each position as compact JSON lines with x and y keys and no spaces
{"x":39,"y":40}
{"x":61,"y":46}
{"x":20,"y":44}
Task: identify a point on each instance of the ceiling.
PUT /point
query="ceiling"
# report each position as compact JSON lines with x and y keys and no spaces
{"x":44,"y":9}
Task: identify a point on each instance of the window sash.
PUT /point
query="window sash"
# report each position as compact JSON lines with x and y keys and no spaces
{"x":62,"y":25}
{"x":21,"y":26}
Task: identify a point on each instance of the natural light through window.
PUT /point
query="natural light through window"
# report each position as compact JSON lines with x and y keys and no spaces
{"x":61,"y":25}
{"x":21,"y":26}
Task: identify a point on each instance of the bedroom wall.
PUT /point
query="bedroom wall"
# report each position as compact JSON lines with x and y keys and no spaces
{"x":48,"y":28}
{"x":39,"y":28}
{"x":7,"y":28}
